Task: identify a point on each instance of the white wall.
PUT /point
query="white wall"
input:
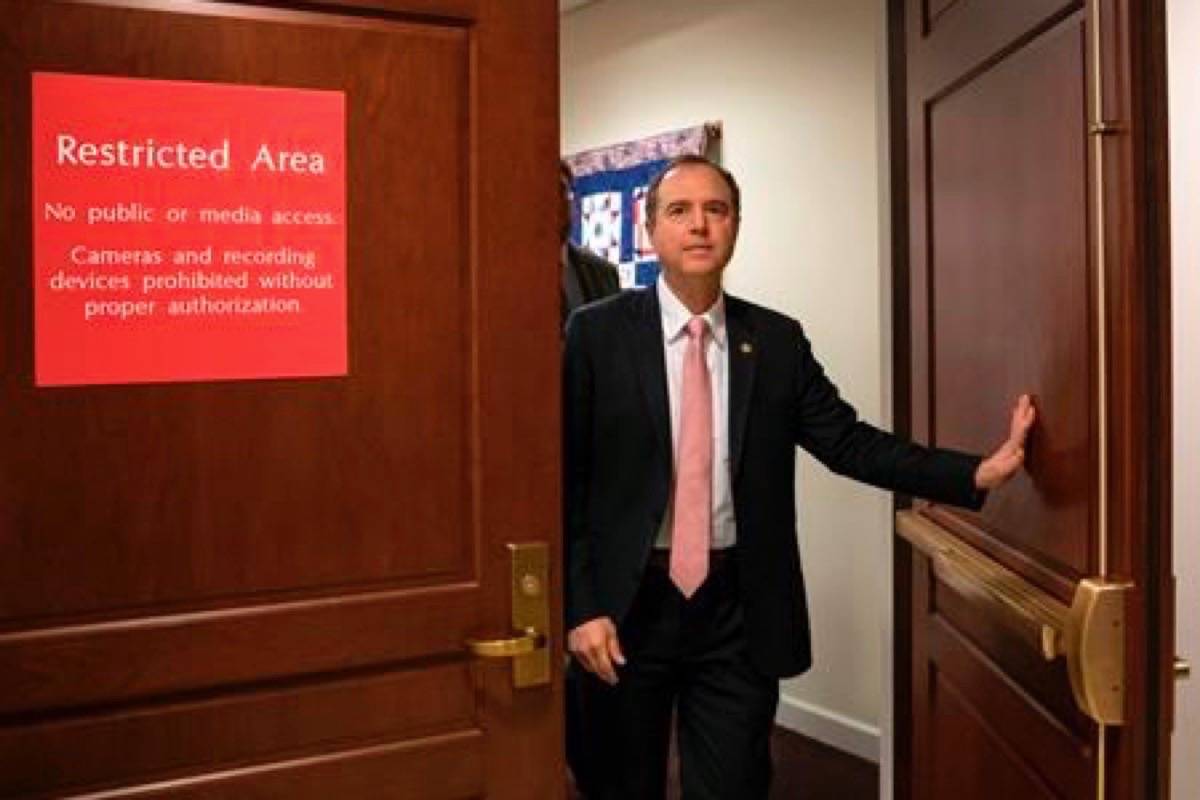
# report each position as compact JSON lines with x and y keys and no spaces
{"x":1183,"y":32}
{"x":795,"y":84}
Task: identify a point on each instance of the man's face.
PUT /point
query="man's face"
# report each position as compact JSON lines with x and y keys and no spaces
{"x":695,"y":226}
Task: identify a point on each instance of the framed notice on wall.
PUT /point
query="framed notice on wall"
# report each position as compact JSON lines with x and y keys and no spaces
{"x":186,"y":231}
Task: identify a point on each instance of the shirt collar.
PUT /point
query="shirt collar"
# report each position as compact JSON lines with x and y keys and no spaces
{"x":675,"y":315}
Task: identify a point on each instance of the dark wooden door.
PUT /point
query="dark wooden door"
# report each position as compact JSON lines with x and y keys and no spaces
{"x":1035,"y":263}
{"x":262,"y":588}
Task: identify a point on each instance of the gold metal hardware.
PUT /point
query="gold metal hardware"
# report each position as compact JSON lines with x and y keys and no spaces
{"x":521,"y":645}
{"x":1039,"y":618}
{"x":530,"y":602}
{"x":1183,"y":669}
{"x":1096,"y":649}
{"x":1105,"y":128}
{"x":1099,"y":128}
{"x":1090,"y":634}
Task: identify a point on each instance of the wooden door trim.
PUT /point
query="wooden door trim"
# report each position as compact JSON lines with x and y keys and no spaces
{"x":59,"y":667}
{"x":1149,"y":88}
{"x":429,"y":12}
{"x":1139,"y":380}
{"x":902,"y":566}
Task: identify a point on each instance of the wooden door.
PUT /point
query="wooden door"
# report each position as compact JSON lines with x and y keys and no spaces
{"x":1035,"y":263}
{"x":262,"y":588}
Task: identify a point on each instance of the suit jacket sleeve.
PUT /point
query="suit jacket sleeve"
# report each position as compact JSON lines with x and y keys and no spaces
{"x":578,"y":408}
{"x":829,"y":428}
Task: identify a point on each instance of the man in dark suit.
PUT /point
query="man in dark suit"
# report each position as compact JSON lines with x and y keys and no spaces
{"x":683,"y":407}
{"x":586,"y":277}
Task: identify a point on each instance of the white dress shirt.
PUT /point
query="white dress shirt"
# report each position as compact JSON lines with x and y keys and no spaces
{"x":675,"y":316}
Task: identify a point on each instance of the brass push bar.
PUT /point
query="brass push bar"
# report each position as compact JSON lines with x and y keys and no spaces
{"x":1090,"y":634}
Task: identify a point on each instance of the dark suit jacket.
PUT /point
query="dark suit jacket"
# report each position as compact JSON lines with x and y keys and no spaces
{"x":618,"y":462}
{"x":597,"y":278}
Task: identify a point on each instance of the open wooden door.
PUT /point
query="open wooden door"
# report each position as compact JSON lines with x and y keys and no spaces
{"x":263,"y":588}
{"x":1035,"y":636}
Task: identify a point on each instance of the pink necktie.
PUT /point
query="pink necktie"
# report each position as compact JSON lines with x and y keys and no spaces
{"x":691,"y":526}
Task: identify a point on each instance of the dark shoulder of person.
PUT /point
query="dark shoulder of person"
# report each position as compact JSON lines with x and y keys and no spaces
{"x":597,"y":277}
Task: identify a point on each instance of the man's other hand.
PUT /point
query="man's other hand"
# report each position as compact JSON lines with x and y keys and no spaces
{"x":997,"y":468}
{"x":594,"y":645}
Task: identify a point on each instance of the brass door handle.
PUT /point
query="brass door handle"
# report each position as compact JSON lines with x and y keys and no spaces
{"x":1183,"y":669}
{"x":529,"y":620}
{"x":521,"y":645}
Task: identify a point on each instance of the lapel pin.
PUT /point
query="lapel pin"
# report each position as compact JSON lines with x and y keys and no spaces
{"x":747,"y":348}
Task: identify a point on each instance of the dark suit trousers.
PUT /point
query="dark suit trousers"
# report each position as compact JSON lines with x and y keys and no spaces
{"x":688,"y":657}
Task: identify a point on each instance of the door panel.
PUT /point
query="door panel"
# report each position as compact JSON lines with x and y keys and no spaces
{"x":1030,"y":271}
{"x":396,"y":770}
{"x":263,"y":587}
{"x":1007,"y":199}
{"x":94,"y":749}
{"x":1007,"y":696}
{"x":958,"y":724}
{"x":180,"y":445}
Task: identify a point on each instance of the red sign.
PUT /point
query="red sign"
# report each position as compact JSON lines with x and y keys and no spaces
{"x":187,"y":231}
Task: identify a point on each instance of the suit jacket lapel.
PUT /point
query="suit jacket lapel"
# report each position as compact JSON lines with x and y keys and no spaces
{"x":647,"y":343}
{"x":742,"y":360}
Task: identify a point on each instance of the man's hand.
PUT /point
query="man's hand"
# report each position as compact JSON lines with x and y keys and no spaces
{"x":1002,"y":464}
{"x":594,"y":644}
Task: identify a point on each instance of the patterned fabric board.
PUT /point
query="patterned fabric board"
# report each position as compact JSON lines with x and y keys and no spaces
{"x":610,"y":197}
{"x":611,"y":220}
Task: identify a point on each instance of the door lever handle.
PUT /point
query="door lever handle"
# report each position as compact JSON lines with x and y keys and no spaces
{"x":521,"y":645}
{"x":529,"y":595}
{"x":1183,"y":669}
